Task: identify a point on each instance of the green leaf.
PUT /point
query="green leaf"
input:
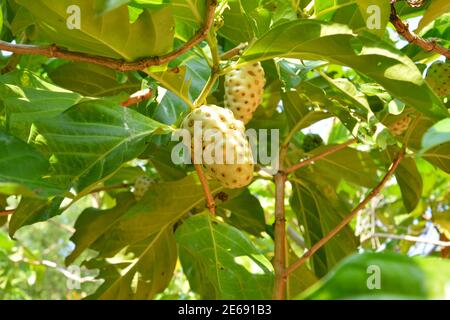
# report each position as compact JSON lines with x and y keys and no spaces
{"x":91,"y":140}
{"x":140,"y":271}
{"x":400,"y":277}
{"x":108,"y":231}
{"x":221,"y":262}
{"x":31,"y":211}
{"x":104,"y":6}
{"x":315,"y":40}
{"x":111,"y":35}
{"x":438,"y":134}
{"x":439,"y":156}
{"x":245,"y":213}
{"x":92,"y":80}
{"x":23,"y":169}
{"x":410,"y":183}
{"x":300,"y":279}
{"x":24,"y":106}
{"x":442,"y":220}
{"x":436,"y":9}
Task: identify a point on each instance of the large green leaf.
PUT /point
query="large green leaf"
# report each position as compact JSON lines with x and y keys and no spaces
{"x":410,"y":183}
{"x":318,"y":213}
{"x":438,"y":134}
{"x":439,"y":156}
{"x":110,"y":35}
{"x":221,"y":262}
{"x":30,"y":211}
{"x":108,"y":231}
{"x":436,"y":9}
{"x":246,"y":213}
{"x":93,"y":139}
{"x":23,"y":169}
{"x":400,"y":277}
{"x":92,"y":80}
{"x":315,"y":40}
{"x":354,"y":13}
{"x":140,"y":271}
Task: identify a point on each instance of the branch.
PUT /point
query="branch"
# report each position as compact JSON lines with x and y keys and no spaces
{"x":54,"y":51}
{"x":412,"y":239}
{"x":234,"y":52}
{"x":348,"y":218}
{"x":279,"y":261}
{"x":403,"y":30}
{"x":210,"y":203}
{"x":6,"y":213}
{"x":320,"y":156}
{"x":138,"y":97}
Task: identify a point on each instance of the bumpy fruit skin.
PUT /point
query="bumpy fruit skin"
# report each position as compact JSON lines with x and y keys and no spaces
{"x":311,"y":142}
{"x":438,"y":77}
{"x":141,"y":186}
{"x":400,"y":126}
{"x":233,"y":167}
{"x":244,"y":90}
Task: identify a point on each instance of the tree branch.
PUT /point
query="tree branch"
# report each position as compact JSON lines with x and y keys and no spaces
{"x":234,"y":52}
{"x":54,"y":51}
{"x":320,"y":156}
{"x":403,"y":30}
{"x":210,"y":203}
{"x":347,"y":219}
{"x":409,"y":238}
{"x":279,"y":261}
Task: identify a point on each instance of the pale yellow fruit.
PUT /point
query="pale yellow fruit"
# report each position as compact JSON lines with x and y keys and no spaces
{"x":141,"y":186}
{"x":244,"y":88}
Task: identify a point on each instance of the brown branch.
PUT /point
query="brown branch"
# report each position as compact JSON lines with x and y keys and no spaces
{"x":319,"y":156}
{"x":279,"y":261}
{"x":210,"y":203}
{"x":347,"y":219}
{"x":6,"y":213}
{"x":138,"y":97}
{"x":403,"y":30}
{"x":54,"y":51}
{"x":234,"y":52}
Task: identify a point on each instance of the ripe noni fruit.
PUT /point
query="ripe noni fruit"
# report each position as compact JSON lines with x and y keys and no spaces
{"x":244,"y":88}
{"x":438,"y":77}
{"x":226,"y":154}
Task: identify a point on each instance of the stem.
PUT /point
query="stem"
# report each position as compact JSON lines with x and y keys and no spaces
{"x":54,"y":51}
{"x":279,"y":262}
{"x":234,"y":52}
{"x":348,"y":218}
{"x":320,"y":156}
{"x":210,"y":203}
{"x":403,"y":30}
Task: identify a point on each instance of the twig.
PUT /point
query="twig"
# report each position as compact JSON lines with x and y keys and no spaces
{"x":298,"y":239}
{"x":210,"y":203}
{"x":6,"y":213}
{"x":412,"y":239}
{"x":54,"y":51}
{"x":320,"y":156}
{"x":403,"y":30}
{"x":279,"y":261}
{"x":138,"y":97}
{"x":348,"y":218}
{"x":234,"y":52}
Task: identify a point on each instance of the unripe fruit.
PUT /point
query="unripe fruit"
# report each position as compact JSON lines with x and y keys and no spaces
{"x":438,"y":77}
{"x":226,"y":152}
{"x":400,"y":126}
{"x":141,"y":186}
{"x":244,"y":88}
